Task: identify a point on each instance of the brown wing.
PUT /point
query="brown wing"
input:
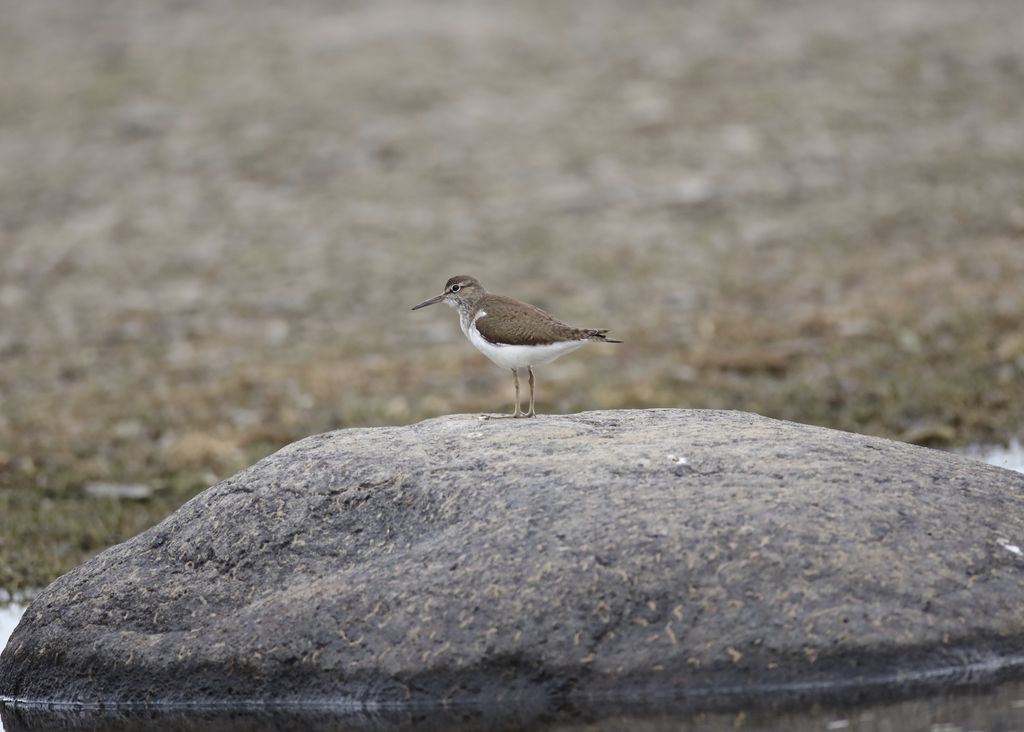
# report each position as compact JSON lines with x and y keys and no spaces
{"x":516,"y":323}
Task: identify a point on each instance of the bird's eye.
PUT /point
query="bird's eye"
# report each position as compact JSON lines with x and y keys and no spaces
{"x":456,"y":288}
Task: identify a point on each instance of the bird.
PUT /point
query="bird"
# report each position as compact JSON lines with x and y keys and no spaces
{"x":511,"y":333}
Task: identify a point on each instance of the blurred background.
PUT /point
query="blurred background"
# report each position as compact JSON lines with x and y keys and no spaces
{"x":216,"y":214}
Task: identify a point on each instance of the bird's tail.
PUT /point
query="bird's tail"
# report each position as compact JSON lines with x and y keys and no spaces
{"x":598,"y":335}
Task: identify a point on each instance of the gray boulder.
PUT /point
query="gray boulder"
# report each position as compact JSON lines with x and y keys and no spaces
{"x":618,"y":554}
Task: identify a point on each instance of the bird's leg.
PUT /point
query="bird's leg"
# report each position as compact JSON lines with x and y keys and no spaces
{"x":532,"y":412}
{"x":515,"y":380}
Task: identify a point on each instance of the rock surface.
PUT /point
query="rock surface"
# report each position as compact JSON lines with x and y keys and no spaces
{"x":622,"y":553}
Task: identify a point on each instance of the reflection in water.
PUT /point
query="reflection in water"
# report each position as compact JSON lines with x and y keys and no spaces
{"x":997,"y":710}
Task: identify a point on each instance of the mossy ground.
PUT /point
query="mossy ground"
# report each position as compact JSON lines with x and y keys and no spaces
{"x":213,"y":225}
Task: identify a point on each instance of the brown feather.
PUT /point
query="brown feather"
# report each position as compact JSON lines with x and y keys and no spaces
{"x":515,"y":323}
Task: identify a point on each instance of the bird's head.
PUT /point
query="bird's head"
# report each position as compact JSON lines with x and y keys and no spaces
{"x":460,"y":292}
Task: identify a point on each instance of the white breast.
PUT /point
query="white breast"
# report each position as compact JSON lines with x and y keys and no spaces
{"x":515,"y":357}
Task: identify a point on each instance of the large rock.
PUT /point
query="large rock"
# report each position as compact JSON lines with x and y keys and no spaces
{"x":628,"y":552}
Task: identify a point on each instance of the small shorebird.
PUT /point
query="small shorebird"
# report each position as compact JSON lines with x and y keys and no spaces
{"x":511,"y":333}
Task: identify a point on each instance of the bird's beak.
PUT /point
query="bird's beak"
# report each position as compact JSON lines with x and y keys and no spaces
{"x":431,"y":301}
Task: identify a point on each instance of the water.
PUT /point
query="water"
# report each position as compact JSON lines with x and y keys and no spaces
{"x":1010,"y":457}
{"x":995,"y":709}
{"x":9,"y":617}
{"x":999,"y":709}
